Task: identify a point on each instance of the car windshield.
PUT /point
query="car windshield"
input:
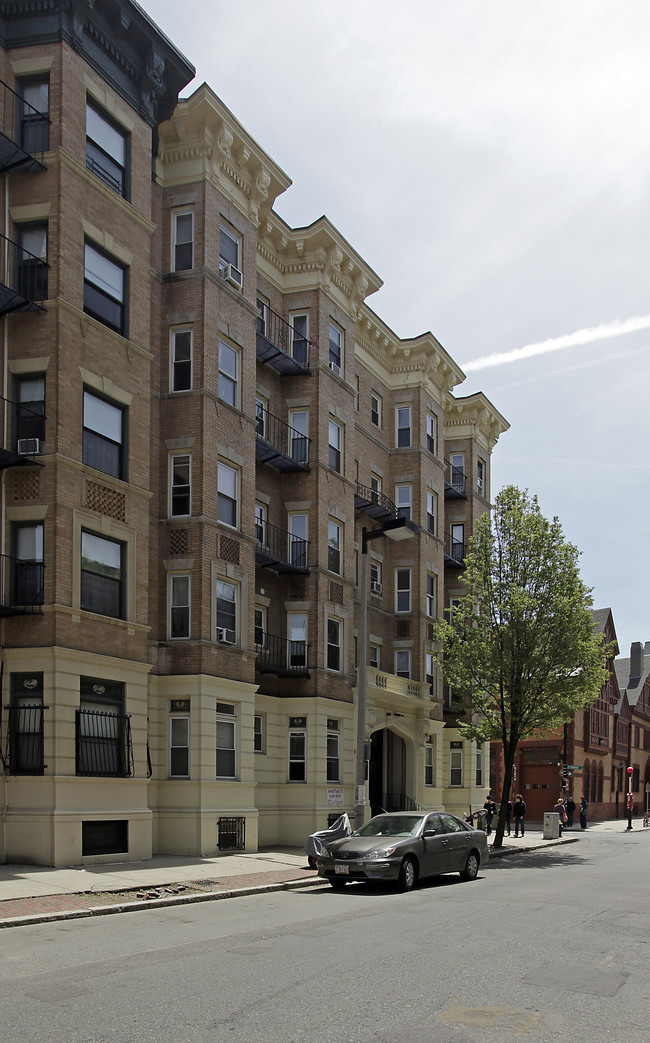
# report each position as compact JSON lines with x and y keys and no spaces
{"x":391,"y":826}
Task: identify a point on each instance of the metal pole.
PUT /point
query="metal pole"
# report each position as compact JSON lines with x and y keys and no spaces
{"x":362,"y":677}
{"x":629,"y":797}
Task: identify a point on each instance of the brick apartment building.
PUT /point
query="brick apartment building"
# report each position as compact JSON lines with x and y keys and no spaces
{"x":201,"y":414}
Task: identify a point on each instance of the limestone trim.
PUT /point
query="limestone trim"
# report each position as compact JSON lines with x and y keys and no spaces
{"x":474,"y":417}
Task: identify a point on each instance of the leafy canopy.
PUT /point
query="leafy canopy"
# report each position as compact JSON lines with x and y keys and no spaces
{"x":520,"y":648}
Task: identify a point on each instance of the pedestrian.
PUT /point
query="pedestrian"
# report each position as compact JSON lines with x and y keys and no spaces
{"x":519,"y":811}
{"x":508,"y":817}
{"x":560,"y":811}
{"x":583,"y":812}
{"x":490,"y":811}
{"x":570,"y":810}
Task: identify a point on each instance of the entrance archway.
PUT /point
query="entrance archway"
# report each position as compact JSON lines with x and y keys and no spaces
{"x":387,"y":772}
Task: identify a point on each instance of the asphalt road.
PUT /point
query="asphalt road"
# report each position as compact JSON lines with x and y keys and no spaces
{"x":550,"y":945}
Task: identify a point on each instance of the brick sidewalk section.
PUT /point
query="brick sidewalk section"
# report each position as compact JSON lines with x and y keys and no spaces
{"x":16,"y":912}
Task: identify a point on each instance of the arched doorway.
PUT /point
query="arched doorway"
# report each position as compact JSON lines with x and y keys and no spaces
{"x":387,"y":772}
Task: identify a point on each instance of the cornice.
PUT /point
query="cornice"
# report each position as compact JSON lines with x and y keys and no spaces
{"x":474,"y":417}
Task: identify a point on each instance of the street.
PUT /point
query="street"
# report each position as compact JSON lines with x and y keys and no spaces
{"x":548,"y":945}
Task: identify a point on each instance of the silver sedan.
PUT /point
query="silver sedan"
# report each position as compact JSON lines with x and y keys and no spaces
{"x":405,"y":846}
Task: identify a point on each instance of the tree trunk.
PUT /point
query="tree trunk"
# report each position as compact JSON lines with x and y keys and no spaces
{"x":508,"y":762}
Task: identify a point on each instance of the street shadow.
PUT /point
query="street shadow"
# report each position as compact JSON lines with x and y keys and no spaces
{"x":554,"y":856}
{"x":372,"y":888}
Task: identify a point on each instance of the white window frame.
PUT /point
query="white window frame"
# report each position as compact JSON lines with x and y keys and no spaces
{"x":222,"y":471}
{"x":431,"y":595}
{"x":429,"y":672}
{"x":259,"y":733}
{"x":231,"y":632}
{"x":226,"y":232}
{"x":298,"y":543}
{"x":300,"y":337}
{"x":261,"y":530}
{"x":295,"y":625}
{"x":176,"y":364}
{"x":456,"y":768}
{"x":259,"y":626}
{"x":224,"y":717}
{"x":177,"y":215}
{"x":402,"y":665}
{"x":177,"y":719}
{"x":335,"y":348}
{"x":402,"y":413}
{"x":374,"y":654}
{"x":479,"y":766}
{"x":225,"y":380}
{"x":176,"y":460}
{"x":174,"y":579}
{"x":299,"y":435}
{"x":432,"y":512}
{"x":431,"y":432}
{"x":404,"y":499}
{"x":404,"y":591}
{"x":375,"y":578}
{"x":334,"y":533}
{"x":481,"y":472}
{"x":335,"y":445}
{"x":376,"y":410}
{"x":297,"y":733}
{"x":429,"y":764}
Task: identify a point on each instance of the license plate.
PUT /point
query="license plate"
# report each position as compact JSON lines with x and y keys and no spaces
{"x":342,"y":869}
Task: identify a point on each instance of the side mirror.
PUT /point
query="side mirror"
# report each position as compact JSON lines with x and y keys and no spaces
{"x":430,"y":833}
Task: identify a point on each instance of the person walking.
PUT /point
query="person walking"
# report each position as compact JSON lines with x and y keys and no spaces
{"x":560,"y":811}
{"x":490,"y":812}
{"x":570,"y":811}
{"x":519,"y":811}
{"x":583,"y":812}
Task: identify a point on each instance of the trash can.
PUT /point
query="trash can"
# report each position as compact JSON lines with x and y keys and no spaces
{"x":551,"y":825}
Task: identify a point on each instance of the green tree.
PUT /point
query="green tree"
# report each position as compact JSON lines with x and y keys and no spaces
{"x":520,"y":648}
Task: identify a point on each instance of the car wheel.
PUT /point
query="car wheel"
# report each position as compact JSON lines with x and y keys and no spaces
{"x":408,"y":875}
{"x":311,"y":862}
{"x":470,"y":872}
{"x":337,"y":883}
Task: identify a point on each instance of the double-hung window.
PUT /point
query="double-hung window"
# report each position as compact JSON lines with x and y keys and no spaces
{"x":180,"y":485}
{"x":297,"y":626}
{"x":429,"y":764}
{"x":181,"y":377}
{"x":335,"y":445}
{"x":479,"y":766}
{"x":229,"y":251}
{"x":300,"y":338}
{"x":375,"y":578}
{"x":432,"y":511}
{"x":31,"y":261}
{"x":179,"y":747}
{"x":403,"y":662}
{"x":102,"y":575}
{"x":27,"y":578}
{"x":259,"y":627}
{"x":402,"y":590}
{"x":260,"y":524}
{"x":299,"y":435}
{"x":333,"y":751}
{"x":179,"y":606}
{"x":227,"y":498}
{"x":334,"y":631}
{"x":480,"y":477}
{"x":297,"y":741}
{"x":374,"y":658}
{"x":104,"y":435}
{"x":335,"y":348}
{"x":431,"y":595}
{"x":375,"y":410}
{"x":29,"y":399}
{"x":226,"y":612}
{"x":456,"y":764}
{"x":107,"y":149}
{"x":298,"y":540}
{"x":403,"y":495}
{"x":228,"y":374}
{"x":429,"y":672}
{"x":431,"y":433}
{"x":226,"y":736}
{"x":403,"y":425}
{"x":184,"y":241}
{"x":34,"y":109}
{"x":105,"y":288}
{"x":258,"y":733}
{"x":334,"y":546}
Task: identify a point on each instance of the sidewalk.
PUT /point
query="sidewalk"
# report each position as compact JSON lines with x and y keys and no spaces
{"x":38,"y":894}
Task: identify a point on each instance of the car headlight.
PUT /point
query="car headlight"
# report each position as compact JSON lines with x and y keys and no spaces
{"x":380,"y":852}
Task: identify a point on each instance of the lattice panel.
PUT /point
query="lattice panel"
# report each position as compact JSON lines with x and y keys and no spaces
{"x":336,"y":593}
{"x":229,"y":550}
{"x":27,"y":484}
{"x":105,"y":501}
{"x":297,"y":588}
{"x":179,"y":541}
{"x":403,"y":628}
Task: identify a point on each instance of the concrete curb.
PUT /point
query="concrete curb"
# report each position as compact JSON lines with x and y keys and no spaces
{"x":503,"y":852}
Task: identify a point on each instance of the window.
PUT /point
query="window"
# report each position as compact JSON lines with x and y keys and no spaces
{"x":431,"y":433}
{"x":105,"y":284}
{"x":429,"y":764}
{"x":375,"y":410}
{"x":334,"y":546}
{"x":335,"y":443}
{"x":27,"y":579}
{"x":260,"y":523}
{"x":259,"y":733}
{"x":479,"y":766}
{"x":34,"y":128}
{"x":299,"y":424}
{"x":375,"y":578}
{"x":226,"y":612}
{"x":298,"y":540}
{"x":333,"y":751}
{"x":458,"y":541}
{"x":183,"y":241}
{"x":102,"y":575}
{"x":227,"y":482}
{"x":431,"y":595}
{"x":333,"y":643}
{"x":31,"y":261}
{"x":357,"y":393}
{"x":179,"y":606}
{"x":226,"y":741}
{"x":335,"y":348}
{"x":228,"y":374}
{"x":375,"y":487}
{"x":298,"y":751}
{"x":403,"y":662}
{"x":179,"y":747}
{"x":260,"y":627}
{"x":402,"y":590}
{"x":297,"y":626}
{"x":181,"y":360}
{"x":261,"y":415}
{"x":263,"y":315}
{"x":103,"y":739}
{"x":480,"y":477}
{"x":456,"y":764}
{"x":106,"y":149}
{"x":104,"y":440}
{"x":25,"y":732}
{"x":300,"y":338}
{"x":429,"y":673}
{"x":403,"y":500}
{"x":403,"y":425}
{"x":229,"y":250}
{"x":29,"y":399}
{"x":432,"y":511}
{"x":375,"y":657}
{"x":457,"y":464}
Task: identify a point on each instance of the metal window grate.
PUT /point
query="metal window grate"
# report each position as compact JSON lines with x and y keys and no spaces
{"x":232,"y":834}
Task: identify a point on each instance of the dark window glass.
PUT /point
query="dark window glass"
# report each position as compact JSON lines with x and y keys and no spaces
{"x":105,"y":289}
{"x":103,"y":435}
{"x":34,"y":126}
{"x":106,"y":149}
{"x":102,"y":575}
{"x":26,"y":725}
{"x":31,"y":261}
{"x":183,"y":242}
{"x":182,"y":361}
{"x":29,"y":407}
{"x":102,"y":728}
{"x":179,"y":607}
{"x":181,"y":494}
{"x":27,"y":571}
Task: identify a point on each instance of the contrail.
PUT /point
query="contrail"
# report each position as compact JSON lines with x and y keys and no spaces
{"x":569,"y":340}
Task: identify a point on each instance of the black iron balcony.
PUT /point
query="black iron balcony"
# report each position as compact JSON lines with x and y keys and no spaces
{"x":280,"y":550}
{"x":24,"y":748}
{"x":280,"y":445}
{"x":103,"y":744}
{"x":23,"y":278}
{"x":454,"y":552}
{"x":284,"y":658}
{"x":24,"y":133}
{"x":280,"y":345}
{"x":373,"y":503}
{"x":455,"y":482}
{"x":28,"y":442}
{"x":21,"y":586}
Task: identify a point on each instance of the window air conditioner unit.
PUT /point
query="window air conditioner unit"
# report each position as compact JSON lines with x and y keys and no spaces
{"x":232,"y":275}
{"x":29,"y":447}
{"x":225,"y":636}
{"x":375,"y":586}
{"x":334,"y":366}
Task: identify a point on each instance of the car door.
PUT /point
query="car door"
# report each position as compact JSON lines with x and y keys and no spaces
{"x":459,"y":842}
{"x":435,"y":849}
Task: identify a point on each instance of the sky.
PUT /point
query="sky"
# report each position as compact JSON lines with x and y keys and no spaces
{"x":489,"y":159}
